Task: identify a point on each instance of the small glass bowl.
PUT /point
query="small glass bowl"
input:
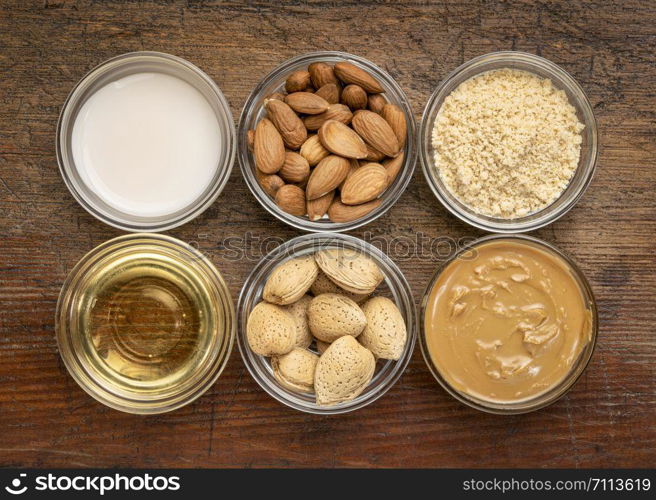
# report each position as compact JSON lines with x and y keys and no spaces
{"x":545,"y":398}
{"x":254,"y":111}
{"x":589,"y":147}
{"x":114,"y":69}
{"x":87,"y":365}
{"x":394,"y":286}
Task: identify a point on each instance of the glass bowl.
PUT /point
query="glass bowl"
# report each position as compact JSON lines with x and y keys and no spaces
{"x":119,"y":67}
{"x":589,"y":147}
{"x":394,"y":286}
{"x":275,"y":81}
{"x":141,"y":359}
{"x":540,"y":400}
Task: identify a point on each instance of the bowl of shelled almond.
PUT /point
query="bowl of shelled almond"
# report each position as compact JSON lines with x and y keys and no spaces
{"x":327,"y":323}
{"x":327,"y":142}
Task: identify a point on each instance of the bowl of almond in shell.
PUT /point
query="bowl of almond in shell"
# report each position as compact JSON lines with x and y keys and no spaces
{"x":327,"y":323}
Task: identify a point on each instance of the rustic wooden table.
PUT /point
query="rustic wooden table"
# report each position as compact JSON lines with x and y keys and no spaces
{"x":608,"y":419}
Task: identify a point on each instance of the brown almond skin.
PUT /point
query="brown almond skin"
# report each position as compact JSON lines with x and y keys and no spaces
{"x":326,"y":176}
{"x":393,"y":167}
{"x":365,"y":184}
{"x":353,"y":166}
{"x":339,"y":112}
{"x":313,"y":151}
{"x":277,"y":95}
{"x":321,"y":74}
{"x":338,"y":212}
{"x":287,"y":122}
{"x":350,"y":73}
{"x":342,"y":140}
{"x":376,"y":103}
{"x":330,"y":92}
{"x":268,"y":148}
{"x":396,"y":119}
{"x":295,"y":169}
{"x":298,"y":81}
{"x":374,"y":154}
{"x":307,"y":103}
{"x":291,"y":199}
{"x":354,"y":97}
{"x":376,"y":132}
{"x":318,"y":207}
{"x":269,"y":182}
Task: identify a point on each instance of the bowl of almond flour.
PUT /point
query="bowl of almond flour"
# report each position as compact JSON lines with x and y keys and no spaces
{"x":508,"y":142}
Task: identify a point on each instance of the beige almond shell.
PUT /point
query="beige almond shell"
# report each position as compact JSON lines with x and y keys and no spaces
{"x":350,"y":269}
{"x":290,"y":280}
{"x":295,"y":370}
{"x":343,"y":371}
{"x":298,"y":310}
{"x":385,"y":334}
{"x":270,"y":330}
{"x":331,"y":315}
{"x":323,"y":284}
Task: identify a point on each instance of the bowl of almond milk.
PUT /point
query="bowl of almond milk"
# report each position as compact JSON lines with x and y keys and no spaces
{"x":145,"y":141}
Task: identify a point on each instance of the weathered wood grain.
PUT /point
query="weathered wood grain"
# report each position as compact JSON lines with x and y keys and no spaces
{"x":608,"y":419}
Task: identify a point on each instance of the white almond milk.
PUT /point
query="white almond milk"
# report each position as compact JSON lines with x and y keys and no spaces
{"x":147,"y":144}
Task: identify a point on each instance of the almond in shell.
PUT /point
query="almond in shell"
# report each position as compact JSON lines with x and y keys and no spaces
{"x":339,"y":212}
{"x":338,"y":112}
{"x":342,"y":140}
{"x":326,"y":176}
{"x":332,"y":315}
{"x":385,"y":333}
{"x":291,"y":199}
{"x":350,"y":73}
{"x":287,"y":122}
{"x":365,"y":184}
{"x":298,"y":310}
{"x":295,"y":370}
{"x":350,"y":269}
{"x":343,"y":371}
{"x":373,"y":128}
{"x":268,"y":148}
{"x":313,"y":151}
{"x":307,"y":103}
{"x":323,"y":284}
{"x":290,"y":280}
{"x":295,"y":169}
{"x":270,"y":330}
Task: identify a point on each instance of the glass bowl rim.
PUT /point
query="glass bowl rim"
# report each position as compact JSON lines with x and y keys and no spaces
{"x":87,"y":380}
{"x":268,"y":262}
{"x":546,"y":398}
{"x":388,"y":199}
{"x":223,"y":169}
{"x":509,"y":226}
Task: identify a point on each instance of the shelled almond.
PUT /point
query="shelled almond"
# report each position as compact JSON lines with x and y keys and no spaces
{"x":320,"y":326}
{"x":326,"y":117}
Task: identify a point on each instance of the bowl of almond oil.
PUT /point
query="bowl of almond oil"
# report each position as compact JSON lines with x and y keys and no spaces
{"x":145,"y":323}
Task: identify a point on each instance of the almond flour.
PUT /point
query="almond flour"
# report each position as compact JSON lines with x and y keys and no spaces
{"x":507,"y":143}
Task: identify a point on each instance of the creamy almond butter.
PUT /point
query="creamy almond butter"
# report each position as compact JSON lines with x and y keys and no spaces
{"x":506,"y":321}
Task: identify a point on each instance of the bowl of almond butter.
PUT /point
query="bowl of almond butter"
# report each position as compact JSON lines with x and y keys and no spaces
{"x":327,"y":142}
